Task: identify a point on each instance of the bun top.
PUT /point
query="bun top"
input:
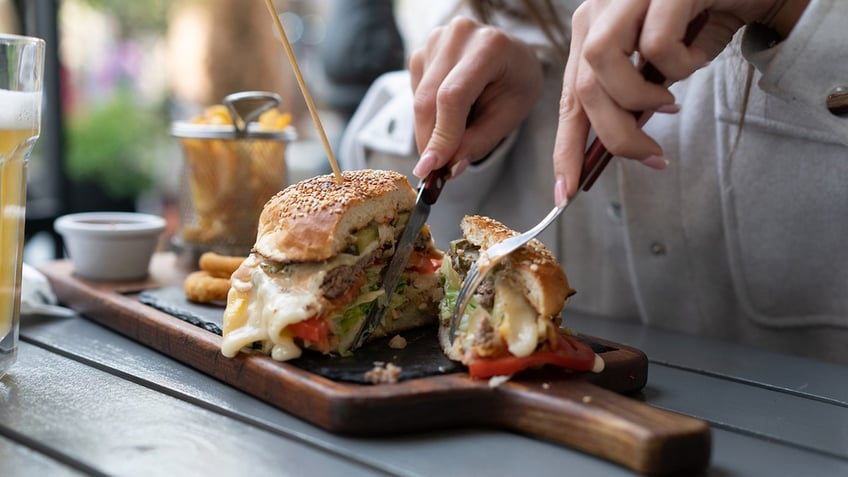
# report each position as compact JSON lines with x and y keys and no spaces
{"x":533,"y":266}
{"x":313,"y":220}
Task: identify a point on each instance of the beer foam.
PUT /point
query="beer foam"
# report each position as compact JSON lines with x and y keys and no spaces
{"x":19,"y":109}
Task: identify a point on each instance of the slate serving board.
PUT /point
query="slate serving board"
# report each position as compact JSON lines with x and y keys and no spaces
{"x":583,"y":410}
{"x":421,"y":357}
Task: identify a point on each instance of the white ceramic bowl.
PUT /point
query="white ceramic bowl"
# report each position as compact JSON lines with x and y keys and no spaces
{"x":110,"y":245}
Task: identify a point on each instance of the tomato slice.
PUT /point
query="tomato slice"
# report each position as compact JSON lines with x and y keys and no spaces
{"x":424,"y":264}
{"x":571,"y":353}
{"x":315,"y":330}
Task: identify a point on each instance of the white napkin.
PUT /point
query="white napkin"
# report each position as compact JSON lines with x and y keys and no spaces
{"x":37,"y":298}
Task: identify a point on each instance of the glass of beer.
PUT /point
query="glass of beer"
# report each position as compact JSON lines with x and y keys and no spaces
{"x":21,"y":76}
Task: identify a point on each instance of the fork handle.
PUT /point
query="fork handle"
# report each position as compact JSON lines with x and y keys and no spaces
{"x":597,"y":157}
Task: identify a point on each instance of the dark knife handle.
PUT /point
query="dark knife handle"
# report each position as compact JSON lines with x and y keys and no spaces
{"x":597,"y":156}
{"x":434,"y":183}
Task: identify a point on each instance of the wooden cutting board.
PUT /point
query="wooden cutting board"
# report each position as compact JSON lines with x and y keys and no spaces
{"x":582,"y":410}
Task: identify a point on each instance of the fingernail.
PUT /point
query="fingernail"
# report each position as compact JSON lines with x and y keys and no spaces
{"x":459,"y":167}
{"x":669,"y":108}
{"x":560,"y":193}
{"x":425,"y":164}
{"x":655,"y":162}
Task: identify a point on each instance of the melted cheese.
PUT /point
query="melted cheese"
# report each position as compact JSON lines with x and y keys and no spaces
{"x":515,"y":319}
{"x":261,"y":306}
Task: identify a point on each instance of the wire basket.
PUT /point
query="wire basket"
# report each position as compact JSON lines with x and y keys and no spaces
{"x":229,"y":172}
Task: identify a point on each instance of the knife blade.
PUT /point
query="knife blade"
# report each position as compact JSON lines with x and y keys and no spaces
{"x":428,"y":191}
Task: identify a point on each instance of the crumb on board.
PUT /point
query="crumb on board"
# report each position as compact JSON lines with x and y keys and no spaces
{"x":496,"y":381}
{"x":587,"y":399}
{"x":546,"y":386}
{"x":397,"y":342}
{"x":383,"y":373}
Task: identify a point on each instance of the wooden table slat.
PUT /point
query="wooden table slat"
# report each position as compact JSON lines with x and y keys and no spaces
{"x":121,"y":428}
{"x":20,"y":460}
{"x":748,"y":456}
{"x":792,"y":374}
{"x":806,"y":423}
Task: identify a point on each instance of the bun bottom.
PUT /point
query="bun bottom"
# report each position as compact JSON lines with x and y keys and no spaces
{"x":451,"y":350}
{"x":407,"y":320}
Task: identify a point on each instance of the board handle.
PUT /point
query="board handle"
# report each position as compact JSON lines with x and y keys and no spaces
{"x":594,"y":420}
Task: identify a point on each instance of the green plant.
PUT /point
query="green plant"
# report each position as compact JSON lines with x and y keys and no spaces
{"x":113,"y":145}
{"x":135,"y":17}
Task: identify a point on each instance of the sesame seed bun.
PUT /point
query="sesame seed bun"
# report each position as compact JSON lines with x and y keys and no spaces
{"x":313,"y":220}
{"x":532,"y":267}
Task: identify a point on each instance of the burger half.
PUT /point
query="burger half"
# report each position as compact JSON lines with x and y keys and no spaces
{"x":316,"y":267}
{"x":512,"y":321}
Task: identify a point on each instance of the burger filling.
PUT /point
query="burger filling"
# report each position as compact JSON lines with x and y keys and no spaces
{"x":498,"y":319}
{"x":500,"y":332}
{"x":281,"y":307}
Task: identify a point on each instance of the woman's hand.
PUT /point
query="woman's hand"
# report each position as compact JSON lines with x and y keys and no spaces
{"x":473,"y":85}
{"x":602,"y":86}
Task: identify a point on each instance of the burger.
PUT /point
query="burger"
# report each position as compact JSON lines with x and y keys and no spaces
{"x":512,"y":321}
{"x":316,"y":268}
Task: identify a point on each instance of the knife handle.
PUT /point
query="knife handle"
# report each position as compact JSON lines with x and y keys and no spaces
{"x":434,"y":183}
{"x":597,"y":157}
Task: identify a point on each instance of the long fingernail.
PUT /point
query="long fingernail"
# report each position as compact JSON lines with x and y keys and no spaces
{"x":425,"y":164}
{"x":669,"y":108}
{"x":655,"y":162}
{"x":560,"y":193}
{"x":459,"y":168}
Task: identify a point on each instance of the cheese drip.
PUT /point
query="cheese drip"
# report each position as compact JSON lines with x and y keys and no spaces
{"x":262,"y":311}
{"x":261,"y":306}
{"x":515,"y":319}
{"x":512,"y":315}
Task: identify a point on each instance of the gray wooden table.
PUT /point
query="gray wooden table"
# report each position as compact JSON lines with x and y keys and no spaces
{"x":83,"y":400}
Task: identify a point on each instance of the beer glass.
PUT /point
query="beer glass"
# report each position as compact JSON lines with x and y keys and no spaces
{"x":21,"y":74}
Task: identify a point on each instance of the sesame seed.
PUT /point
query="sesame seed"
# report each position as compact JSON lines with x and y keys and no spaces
{"x":323,"y":193}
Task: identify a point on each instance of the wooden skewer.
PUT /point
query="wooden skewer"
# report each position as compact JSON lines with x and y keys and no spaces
{"x":305,"y":91}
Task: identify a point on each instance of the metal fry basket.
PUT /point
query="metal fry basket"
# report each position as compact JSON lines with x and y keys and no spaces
{"x":229,"y":172}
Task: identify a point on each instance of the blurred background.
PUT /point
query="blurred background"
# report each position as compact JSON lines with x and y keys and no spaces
{"x":120,"y":72}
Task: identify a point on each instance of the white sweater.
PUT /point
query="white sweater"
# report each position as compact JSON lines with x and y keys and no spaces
{"x":751,"y":247}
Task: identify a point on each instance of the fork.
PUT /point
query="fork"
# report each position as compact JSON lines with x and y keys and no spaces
{"x":596,"y":159}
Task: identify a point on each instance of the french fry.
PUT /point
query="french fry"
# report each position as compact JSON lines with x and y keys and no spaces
{"x":229,"y":181}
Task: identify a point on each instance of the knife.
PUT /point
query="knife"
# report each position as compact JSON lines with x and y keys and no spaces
{"x":428,"y":191}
